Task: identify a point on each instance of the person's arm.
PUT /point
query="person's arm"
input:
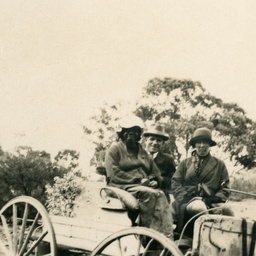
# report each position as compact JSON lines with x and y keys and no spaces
{"x":179,"y":192}
{"x":221,"y":193}
{"x":155,"y":175}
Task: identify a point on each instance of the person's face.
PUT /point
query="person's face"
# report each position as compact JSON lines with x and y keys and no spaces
{"x":153,"y":144}
{"x":131,"y":137}
{"x":202,"y":148}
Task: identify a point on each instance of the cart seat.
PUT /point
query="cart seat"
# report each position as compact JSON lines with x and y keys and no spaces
{"x":118,"y":199}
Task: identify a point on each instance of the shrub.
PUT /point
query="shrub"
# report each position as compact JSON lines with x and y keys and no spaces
{"x":61,"y":196}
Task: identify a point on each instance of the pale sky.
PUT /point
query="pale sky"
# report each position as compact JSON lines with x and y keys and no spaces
{"x":61,"y":59}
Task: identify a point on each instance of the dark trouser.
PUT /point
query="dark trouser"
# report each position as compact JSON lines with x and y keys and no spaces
{"x":155,"y":211}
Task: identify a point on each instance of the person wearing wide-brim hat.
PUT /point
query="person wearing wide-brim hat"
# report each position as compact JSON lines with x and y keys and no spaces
{"x":200,"y":180}
{"x":129,"y":167}
{"x":156,"y":130}
{"x":155,"y":137}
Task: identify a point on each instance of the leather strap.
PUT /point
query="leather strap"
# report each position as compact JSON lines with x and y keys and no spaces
{"x":252,"y":247}
{"x":244,"y":237}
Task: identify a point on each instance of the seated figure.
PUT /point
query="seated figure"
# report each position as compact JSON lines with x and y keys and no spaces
{"x":129,"y":167}
{"x":155,"y":139}
{"x":200,"y":182}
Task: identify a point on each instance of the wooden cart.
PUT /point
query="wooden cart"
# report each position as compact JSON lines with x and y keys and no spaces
{"x":27,"y":229}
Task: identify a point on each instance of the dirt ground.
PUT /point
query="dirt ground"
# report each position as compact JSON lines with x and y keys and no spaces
{"x":244,"y":209}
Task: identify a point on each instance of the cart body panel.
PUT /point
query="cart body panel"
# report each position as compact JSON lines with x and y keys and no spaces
{"x":86,"y":234}
{"x":221,"y":235}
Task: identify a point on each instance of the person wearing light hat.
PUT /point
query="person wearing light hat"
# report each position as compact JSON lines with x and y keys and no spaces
{"x":155,"y":139}
{"x":200,"y":181}
{"x":130,"y":167}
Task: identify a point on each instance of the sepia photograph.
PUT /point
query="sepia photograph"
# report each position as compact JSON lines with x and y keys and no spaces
{"x":127,"y":127}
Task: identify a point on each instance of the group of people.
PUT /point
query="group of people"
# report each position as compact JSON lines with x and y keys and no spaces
{"x":199,"y":183}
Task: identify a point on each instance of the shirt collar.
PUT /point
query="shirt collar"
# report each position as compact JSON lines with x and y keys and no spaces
{"x":154,"y":155}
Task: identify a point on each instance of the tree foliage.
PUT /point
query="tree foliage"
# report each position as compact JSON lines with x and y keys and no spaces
{"x":101,"y":131}
{"x":69,"y":159}
{"x":62,"y":194}
{"x":181,"y":106}
{"x":27,"y":172}
{"x":184,"y":105}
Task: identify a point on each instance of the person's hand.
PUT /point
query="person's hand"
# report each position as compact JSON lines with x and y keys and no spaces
{"x":145,"y":182}
{"x":212,"y":200}
{"x":152,"y":184}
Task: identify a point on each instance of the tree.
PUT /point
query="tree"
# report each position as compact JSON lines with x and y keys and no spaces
{"x":68,"y":159}
{"x":101,"y":131}
{"x":183,"y":105}
{"x":26,"y":173}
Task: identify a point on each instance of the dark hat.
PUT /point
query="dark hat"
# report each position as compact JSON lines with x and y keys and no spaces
{"x":202,"y":134}
{"x":156,"y":130}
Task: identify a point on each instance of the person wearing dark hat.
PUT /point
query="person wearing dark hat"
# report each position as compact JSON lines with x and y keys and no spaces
{"x":129,"y":167}
{"x":200,"y":181}
{"x":155,"y":139}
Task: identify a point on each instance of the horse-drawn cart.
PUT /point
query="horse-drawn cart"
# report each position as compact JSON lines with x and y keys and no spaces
{"x":27,"y":229}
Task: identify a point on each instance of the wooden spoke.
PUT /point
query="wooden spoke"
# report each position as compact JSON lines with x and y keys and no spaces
{"x":4,"y":249}
{"x":28,"y":238}
{"x":138,"y":246}
{"x":163,"y":252}
{"x":148,"y":246}
{"x":147,"y":241}
{"x":35,"y":244}
{"x":7,"y":232}
{"x":24,"y":223}
{"x":15,"y":231}
{"x":120,"y":246}
{"x":26,"y":229}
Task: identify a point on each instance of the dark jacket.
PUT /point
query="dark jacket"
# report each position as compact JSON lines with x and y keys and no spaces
{"x":186,"y":184}
{"x":124,"y":169}
{"x":166,"y":165}
{"x":214,"y":176}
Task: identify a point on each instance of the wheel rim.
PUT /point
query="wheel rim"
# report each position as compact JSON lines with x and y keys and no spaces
{"x":26,"y":229}
{"x":137,"y":241}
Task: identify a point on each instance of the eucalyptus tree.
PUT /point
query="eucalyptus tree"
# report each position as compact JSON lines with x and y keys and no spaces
{"x":183,"y":105}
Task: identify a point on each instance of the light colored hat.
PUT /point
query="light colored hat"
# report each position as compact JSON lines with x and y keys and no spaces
{"x":130,"y":122}
{"x":156,"y":130}
{"x":202,"y":134}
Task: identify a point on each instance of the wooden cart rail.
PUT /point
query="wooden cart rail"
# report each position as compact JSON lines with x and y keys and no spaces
{"x":87,"y":234}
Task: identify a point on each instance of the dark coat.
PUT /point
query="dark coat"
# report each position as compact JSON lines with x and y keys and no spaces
{"x":124,"y":169}
{"x":213,"y":175}
{"x":166,"y":165}
{"x":185,"y":182}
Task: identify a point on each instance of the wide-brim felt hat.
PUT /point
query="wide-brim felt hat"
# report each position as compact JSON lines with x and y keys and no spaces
{"x":202,"y":134}
{"x":156,"y":130}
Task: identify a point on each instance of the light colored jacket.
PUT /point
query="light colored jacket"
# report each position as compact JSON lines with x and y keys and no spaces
{"x":124,"y":169}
